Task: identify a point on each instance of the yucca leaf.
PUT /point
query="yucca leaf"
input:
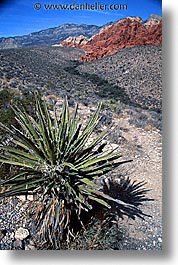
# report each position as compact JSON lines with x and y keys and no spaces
{"x":101,"y":159}
{"x":25,"y":180}
{"x":13,"y":177}
{"x":48,"y":119}
{"x":97,"y":140}
{"x":28,"y":180}
{"x":15,"y":163}
{"x":73,"y":126}
{"x":25,"y":122}
{"x":20,"y":190}
{"x":72,"y":139}
{"x":28,"y":123}
{"x":88,"y":182}
{"x":20,"y":159}
{"x":21,"y":153}
{"x":63,"y":129}
{"x":82,"y":140}
{"x":100,"y":201}
{"x":56,"y":125}
{"x":77,"y":196}
{"x":5,"y":128}
{"x":93,"y":120}
{"x":87,"y":152}
{"x":44,"y":132}
{"x":107,"y":197}
{"x":85,"y":135}
{"x":28,"y":144}
{"x":105,"y":166}
{"x":70,"y":165}
{"x":93,"y":175}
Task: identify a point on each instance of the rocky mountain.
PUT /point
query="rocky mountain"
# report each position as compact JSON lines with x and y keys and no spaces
{"x":49,"y":36}
{"x":125,"y":33}
{"x":74,"y":42}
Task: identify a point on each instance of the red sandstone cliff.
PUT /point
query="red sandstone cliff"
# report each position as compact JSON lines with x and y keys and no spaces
{"x":125,"y":33}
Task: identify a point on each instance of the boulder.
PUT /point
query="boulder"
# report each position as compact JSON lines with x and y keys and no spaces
{"x":21,"y":233}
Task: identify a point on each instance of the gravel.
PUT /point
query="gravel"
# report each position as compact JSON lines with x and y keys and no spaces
{"x":13,"y":216}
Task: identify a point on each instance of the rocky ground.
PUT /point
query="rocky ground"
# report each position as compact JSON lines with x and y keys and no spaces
{"x":132,"y":76}
{"x":134,"y":119}
{"x":135,"y":70}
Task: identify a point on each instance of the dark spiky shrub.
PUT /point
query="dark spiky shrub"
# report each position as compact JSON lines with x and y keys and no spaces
{"x":128,"y":191}
{"x":59,"y":162}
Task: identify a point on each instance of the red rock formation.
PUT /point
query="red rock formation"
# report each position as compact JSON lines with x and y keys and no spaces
{"x":125,"y":33}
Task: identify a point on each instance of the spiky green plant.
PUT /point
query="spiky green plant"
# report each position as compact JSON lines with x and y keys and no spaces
{"x":59,"y":164}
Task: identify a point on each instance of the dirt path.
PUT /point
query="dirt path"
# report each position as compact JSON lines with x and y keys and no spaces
{"x":145,"y":147}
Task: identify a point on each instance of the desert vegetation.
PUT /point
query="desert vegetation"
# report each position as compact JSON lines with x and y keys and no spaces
{"x":61,"y":167}
{"x":133,"y":124}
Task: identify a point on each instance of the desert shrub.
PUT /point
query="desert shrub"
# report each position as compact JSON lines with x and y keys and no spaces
{"x":6,"y":113}
{"x":10,"y":97}
{"x":60,"y":163}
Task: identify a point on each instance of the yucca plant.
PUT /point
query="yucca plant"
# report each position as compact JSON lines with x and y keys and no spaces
{"x":59,"y":162}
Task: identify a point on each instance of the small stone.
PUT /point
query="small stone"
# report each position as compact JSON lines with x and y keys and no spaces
{"x":21,"y":233}
{"x":29,"y":247}
{"x":25,"y":198}
{"x":12,"y":235}
{"x":17,"y":243}
{"x":30,"y":198}
{"x":22,"y":198}
{"x":159,"y":239}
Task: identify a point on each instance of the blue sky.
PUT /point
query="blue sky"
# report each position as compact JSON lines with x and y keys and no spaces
{"x":18,"y":17}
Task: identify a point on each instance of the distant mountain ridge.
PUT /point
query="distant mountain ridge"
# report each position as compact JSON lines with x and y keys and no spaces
{"x":49,"y":36}
{"x":56,"y":35}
